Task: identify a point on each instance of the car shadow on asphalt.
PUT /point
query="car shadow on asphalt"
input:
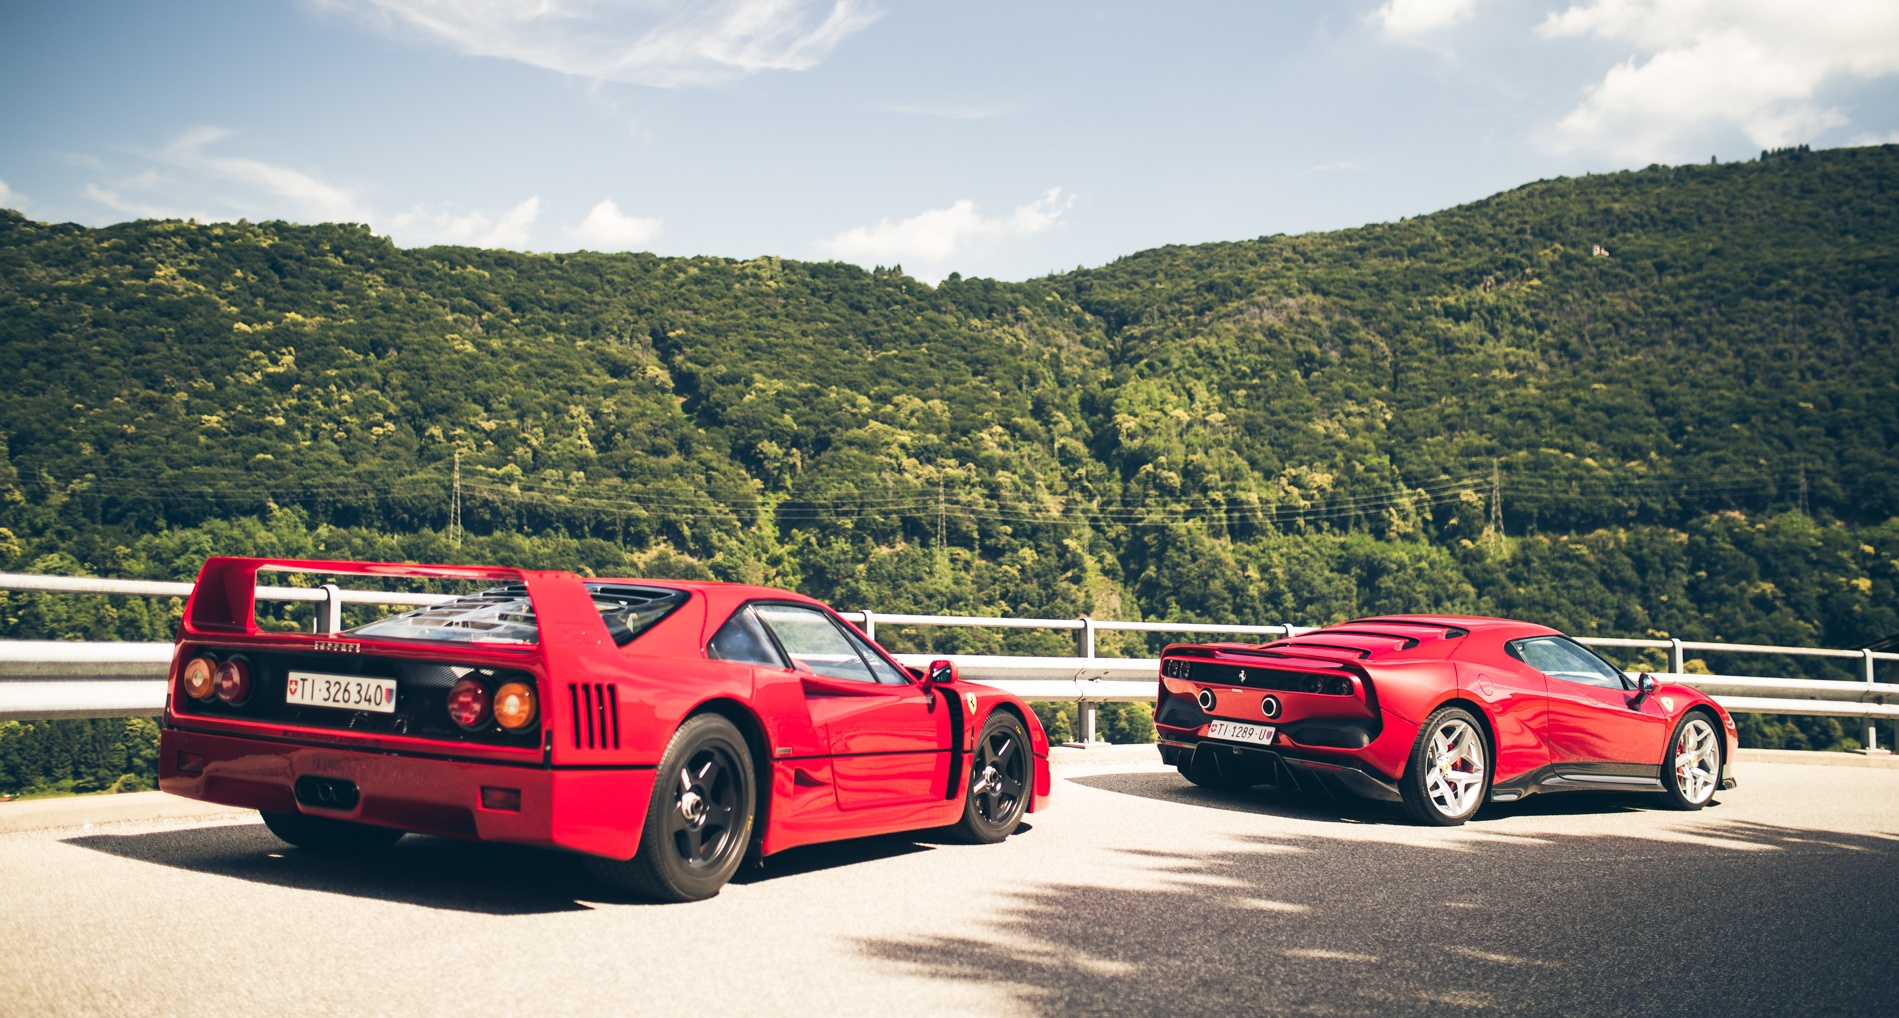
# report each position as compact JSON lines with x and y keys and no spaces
{"x":432,"y":872}
{"x":1171,"y":787}
{"x":830,"y":855}
{"x":1707,"y":918}
{"x":435,"y":872}
{"x":833,"y":854}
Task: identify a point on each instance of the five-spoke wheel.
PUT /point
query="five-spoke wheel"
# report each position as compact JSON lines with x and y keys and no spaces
{"x":1449,"y":771}
{"x":699,"y":820}
{"x":1692,"y":771}
{"x":1000,"y":774}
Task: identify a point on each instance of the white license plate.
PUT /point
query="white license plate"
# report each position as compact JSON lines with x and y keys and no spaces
{"x":1262,"y":734}
{"x":344,"y":692}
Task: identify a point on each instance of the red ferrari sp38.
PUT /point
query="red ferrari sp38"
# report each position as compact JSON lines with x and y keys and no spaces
{"x":665,"y":729}
{"x":1439,"y":714}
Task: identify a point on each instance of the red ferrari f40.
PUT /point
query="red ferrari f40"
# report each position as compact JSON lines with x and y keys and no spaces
{"x":666,"y":730}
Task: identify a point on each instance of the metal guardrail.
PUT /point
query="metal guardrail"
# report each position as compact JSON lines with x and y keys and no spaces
{"x":46,"y":679}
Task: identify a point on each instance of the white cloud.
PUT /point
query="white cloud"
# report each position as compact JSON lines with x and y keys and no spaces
{"x":422,"y":226}
{"x":1756,"y":66}
{"x":309,"y":197}
{"x":933,"y":236}
{"x":1416,"y":17}
{"x":194,"y":181}
{"x":606,"y":228}
{"x":666,"y":43}
{"x":146,"y":199}
{"x":241,"y":186}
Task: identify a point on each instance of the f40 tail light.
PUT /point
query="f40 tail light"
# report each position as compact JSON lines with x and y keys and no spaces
{"x":514,"y":706}
{"x":468,"y":704}
{"x":201,"y":678}
{"x":234,"y":682}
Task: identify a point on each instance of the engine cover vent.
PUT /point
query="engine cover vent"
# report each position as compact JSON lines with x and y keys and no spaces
{"x":596,"y":712}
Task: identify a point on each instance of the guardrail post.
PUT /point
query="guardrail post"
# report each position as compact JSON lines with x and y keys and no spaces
{"x":329,"y":611}
{"x":1677,"y":659}
{"x":870,"y":625}
{"x":1085,"y":709}
{"x":1872,"y":724}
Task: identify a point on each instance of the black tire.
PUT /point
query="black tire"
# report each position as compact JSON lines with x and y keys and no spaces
{"x":1431,"y":794}
{"x":1001,"y":779}
{"x":328,"y":834}
{"x":699,"y":820}
{"x":1691,"y":762}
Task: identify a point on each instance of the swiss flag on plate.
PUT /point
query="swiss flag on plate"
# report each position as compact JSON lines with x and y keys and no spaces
{"x":292,"y":687}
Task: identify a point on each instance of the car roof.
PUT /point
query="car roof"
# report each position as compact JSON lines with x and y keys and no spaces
{"x":1386,"y":636}
{"x":717,"y":592}
{"x":1468,"y":623}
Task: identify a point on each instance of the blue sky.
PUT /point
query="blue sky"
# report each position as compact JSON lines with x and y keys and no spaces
{"x":996,"y":139}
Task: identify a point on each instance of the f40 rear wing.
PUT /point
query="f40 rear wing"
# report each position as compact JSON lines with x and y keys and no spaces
{"x":224,"y":600}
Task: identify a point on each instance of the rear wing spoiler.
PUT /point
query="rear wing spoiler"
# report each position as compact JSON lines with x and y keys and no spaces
{"x":224,"y":599}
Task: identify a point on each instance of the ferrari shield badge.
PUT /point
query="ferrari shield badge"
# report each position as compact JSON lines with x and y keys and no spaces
{"x":969,"y":700}
{"x":1668,"y":704}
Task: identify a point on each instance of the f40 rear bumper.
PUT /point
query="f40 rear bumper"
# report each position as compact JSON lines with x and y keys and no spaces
{"x":597,"y":811}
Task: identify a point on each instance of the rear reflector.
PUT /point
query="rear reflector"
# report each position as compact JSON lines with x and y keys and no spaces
{"x":508,"y":799}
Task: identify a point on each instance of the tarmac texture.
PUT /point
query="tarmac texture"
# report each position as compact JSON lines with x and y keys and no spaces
{"x":1132,"y":893}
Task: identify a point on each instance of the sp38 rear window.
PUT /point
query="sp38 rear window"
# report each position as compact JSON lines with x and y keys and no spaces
{"x":505,"y":615}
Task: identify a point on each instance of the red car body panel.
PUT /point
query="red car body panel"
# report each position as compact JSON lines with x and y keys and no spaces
{"x":837,"y":759}
{"x":1352,"y":697}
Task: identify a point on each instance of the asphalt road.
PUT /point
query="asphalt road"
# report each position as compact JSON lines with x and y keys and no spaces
{"x":1134,"y":893}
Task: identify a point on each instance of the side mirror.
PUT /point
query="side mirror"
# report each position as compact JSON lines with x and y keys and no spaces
{"x":939,"y":673}
{"x":1643,"y":687}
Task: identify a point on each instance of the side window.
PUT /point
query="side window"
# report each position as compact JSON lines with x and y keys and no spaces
{"x":1559,"y":658}
{"x":630,"y":611}
{"x":886,"y":673}
{"x":743,"y":639}
{"x":814,"y":642}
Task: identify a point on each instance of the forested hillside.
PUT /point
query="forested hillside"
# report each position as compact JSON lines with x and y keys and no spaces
{"x":1655,"y":402}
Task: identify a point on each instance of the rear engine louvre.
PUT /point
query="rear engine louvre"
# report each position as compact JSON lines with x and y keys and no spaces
{"x":596,"y":708}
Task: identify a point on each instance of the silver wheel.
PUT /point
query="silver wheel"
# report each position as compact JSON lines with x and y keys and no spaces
{"x":1696,"y":760}
{"x":1454,"y":782}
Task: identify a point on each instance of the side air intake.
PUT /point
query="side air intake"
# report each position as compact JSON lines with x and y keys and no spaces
{"x":596,"y":707}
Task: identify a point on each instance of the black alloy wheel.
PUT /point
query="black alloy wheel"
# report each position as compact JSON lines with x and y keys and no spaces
{"x":699,"y":820}
{"x":328,"y":834}
{"x":700,"y":824}
{"x":1000,"y":772}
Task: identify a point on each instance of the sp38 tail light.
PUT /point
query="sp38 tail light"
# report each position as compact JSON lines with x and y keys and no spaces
{"x":233,"y":682}
{"x":201,"y":678}
{"x":514,"y":706}
{"x":468,"y":704}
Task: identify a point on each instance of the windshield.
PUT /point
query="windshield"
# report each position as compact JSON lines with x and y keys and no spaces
{"x":505,"y":615}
